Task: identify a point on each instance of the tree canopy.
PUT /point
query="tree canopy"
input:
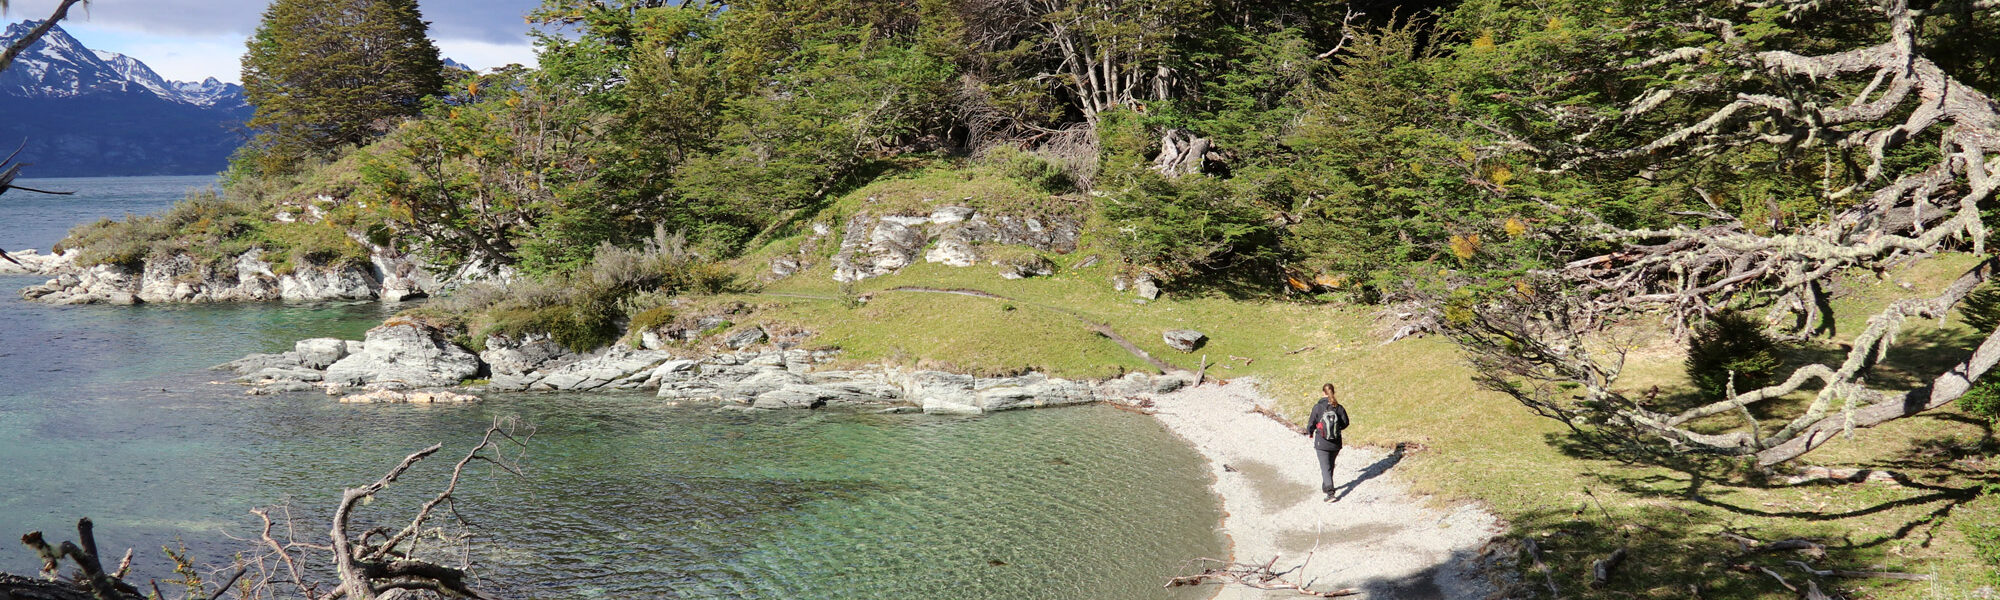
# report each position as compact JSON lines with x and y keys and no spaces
{"x":327,"y":75}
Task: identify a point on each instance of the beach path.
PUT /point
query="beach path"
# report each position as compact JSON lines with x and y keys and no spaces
{"x":1379,"y":539}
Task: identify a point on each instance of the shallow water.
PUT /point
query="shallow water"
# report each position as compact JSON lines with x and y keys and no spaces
{"x":107,"y":412}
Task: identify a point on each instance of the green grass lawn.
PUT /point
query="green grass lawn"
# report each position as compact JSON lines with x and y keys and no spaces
{"x":1474,"y":445}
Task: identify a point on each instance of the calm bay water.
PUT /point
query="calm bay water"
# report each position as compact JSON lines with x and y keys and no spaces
{"x":107,"y":412}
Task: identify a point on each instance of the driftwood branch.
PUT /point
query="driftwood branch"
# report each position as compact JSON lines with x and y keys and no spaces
{"x":1600,"y":569}
{"x":1860,"y":574}
{"x":1548,"y":575}
{"x":369,"y":568}
{"x":1262,"y":577}
{"x":91,"y":581}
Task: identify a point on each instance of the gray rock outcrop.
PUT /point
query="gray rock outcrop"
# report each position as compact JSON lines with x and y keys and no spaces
{"x":248,"y":278}
{"x":405,"y":352}
{"x":1022,"y":267}
{"x":404,"y":355}
{"x":876,"y":245}
{"x":745,"y":338}
{"x":31,"y":262}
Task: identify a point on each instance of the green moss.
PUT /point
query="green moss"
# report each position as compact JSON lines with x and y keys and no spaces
{"x":652,"y":318}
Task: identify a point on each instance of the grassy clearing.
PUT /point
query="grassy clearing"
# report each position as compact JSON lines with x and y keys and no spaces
{"x":1477,"y":445}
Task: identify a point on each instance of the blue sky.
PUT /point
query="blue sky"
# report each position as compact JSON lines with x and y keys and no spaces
{"x":189,"y":40}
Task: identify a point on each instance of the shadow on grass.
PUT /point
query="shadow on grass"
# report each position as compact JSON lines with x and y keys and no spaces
{"x":1249,"y":280}
{"x":1677,"y":533}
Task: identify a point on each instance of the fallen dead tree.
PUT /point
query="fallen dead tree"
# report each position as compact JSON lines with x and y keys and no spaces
{"x":1545,"y":340}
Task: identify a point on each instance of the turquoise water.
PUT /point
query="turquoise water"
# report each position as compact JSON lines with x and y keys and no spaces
{"x":107,"y":412}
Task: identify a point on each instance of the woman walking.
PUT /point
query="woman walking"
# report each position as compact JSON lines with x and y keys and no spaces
{"x":1328,"y":418}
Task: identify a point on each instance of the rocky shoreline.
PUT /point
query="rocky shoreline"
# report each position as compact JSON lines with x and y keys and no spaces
{"x":387,"y":276}
{"x":407,"y":360}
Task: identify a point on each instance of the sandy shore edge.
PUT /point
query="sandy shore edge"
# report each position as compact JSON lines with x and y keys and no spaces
{"x":1379,"y":539}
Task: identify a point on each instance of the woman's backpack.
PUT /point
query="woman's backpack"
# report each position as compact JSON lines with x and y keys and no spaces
{"x":1329,"y":422}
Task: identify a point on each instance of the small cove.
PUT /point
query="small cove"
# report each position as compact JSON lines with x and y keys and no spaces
{"x":106,"y":412}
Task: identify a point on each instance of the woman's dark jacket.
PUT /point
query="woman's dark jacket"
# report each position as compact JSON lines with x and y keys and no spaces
{"x":1320,"y":437}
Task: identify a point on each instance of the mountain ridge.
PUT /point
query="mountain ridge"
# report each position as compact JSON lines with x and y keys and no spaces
{"x":92,"y":113}
{"x":60,"y":66}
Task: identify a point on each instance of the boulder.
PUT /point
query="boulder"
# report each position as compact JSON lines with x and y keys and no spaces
{"x":1185,"y":340}
{"x":258,"y":362}
{"x":1146,"y":287}
{"x":1048,"y":392}
{"x":1139,"y":384}
{"x":753,"y":386}
{"x":507,"y":355}
{"x":320,"y":353}
{"x":408,"y":352}
{"x":745,"y":338}
{"x":672,"y":371}
{"x":874,"y":246}
{"x":940,"y":393}
{"x":946,"y":215}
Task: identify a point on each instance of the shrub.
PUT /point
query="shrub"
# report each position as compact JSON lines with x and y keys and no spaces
{"x":590,"y":308}
{"x":580,"y":327}
{"x":1178,"y":226}
{"x":203,"y":225}
{"x":1032,"y":168}
{"x":1730,"y":342}
{"x":1983,"y":400}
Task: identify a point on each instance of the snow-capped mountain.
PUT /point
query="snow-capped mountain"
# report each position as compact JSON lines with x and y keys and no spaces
{"x":59,"y":66}
{"x":210,"y":92}
{"x":87,"y":113}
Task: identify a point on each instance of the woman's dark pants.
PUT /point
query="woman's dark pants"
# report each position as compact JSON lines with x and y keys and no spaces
{"x":1326,"y":468}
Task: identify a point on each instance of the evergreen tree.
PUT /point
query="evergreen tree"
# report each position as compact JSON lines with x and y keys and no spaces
{"x":324,"y":75}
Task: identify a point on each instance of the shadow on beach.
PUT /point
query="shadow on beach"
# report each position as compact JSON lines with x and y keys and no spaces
{"x":1373,"y":471}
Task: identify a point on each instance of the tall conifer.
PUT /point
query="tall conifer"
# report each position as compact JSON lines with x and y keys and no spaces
{"x":323,"y":75}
